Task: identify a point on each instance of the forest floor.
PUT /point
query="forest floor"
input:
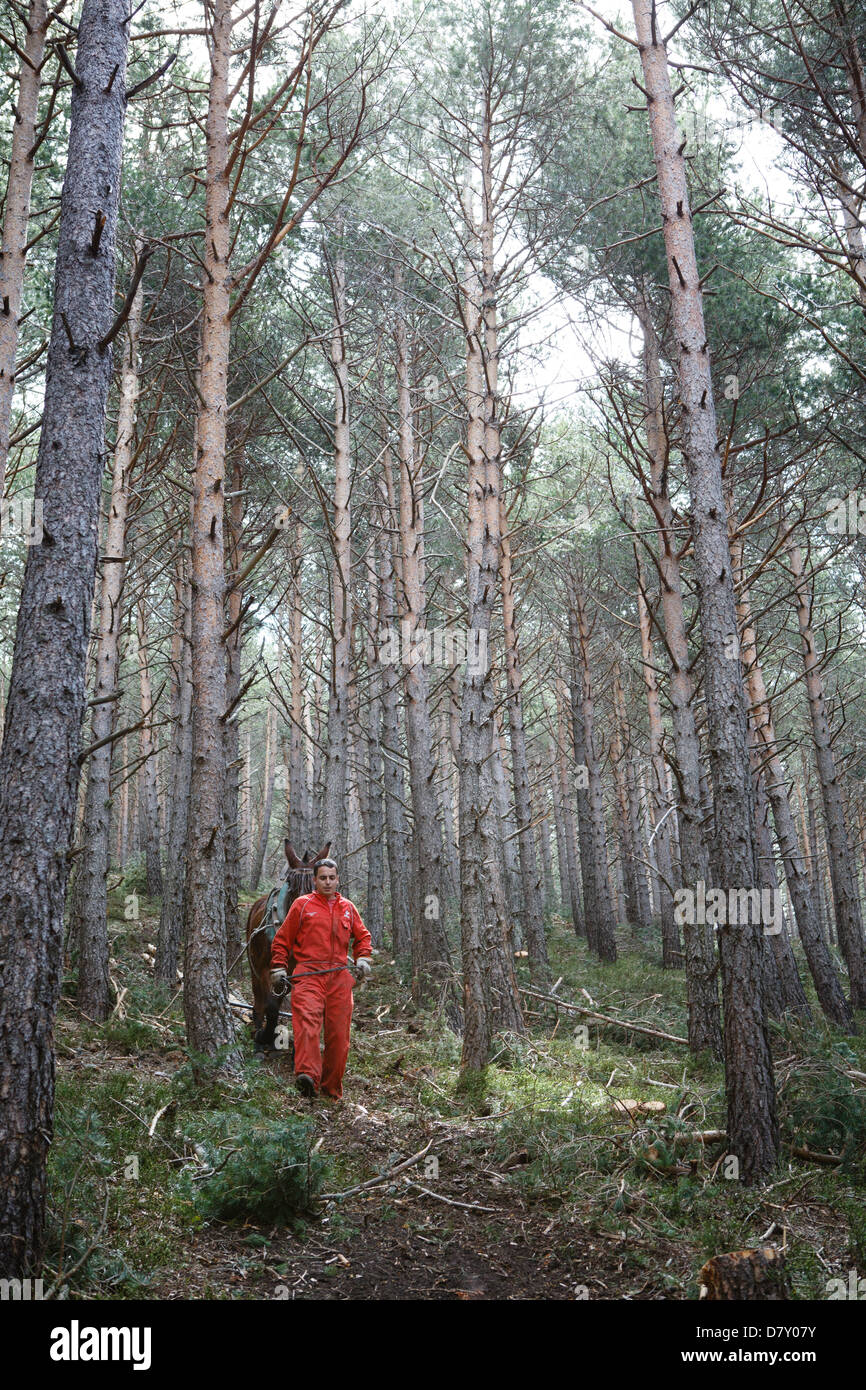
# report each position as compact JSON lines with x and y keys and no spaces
{"x":535,"y":1183}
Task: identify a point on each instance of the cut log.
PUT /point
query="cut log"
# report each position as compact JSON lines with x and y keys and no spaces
{"x":745,"y":1275}
{"x":638,"y":1107}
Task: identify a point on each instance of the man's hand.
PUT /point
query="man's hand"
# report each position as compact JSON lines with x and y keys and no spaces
{"x":363,"y":967}
{"x":279,"y":981}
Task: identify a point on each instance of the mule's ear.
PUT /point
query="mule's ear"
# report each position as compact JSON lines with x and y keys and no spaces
{"x":294,"y":861}
{"x":323,"y":854}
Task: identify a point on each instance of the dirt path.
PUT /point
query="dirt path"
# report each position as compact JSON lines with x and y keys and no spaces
{"x":453,"y":1228}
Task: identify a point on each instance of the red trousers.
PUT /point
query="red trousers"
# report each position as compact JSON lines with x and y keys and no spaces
{"x":316,"y":1000}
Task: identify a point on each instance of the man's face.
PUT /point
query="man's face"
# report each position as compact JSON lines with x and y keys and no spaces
{"x":327,"y":881}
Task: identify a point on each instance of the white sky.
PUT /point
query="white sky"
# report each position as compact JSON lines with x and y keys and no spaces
{"x":573,"y":344}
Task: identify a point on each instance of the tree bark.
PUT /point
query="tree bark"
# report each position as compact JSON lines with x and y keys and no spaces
{"x":846,"y":902}
{"x":336,"y":779}
{"x":394,"y":786}
{"x":149,"y":793}
{"x":700,"y":955}
{"x":793,"y":996}
{"x":375,"y":827}
{"x":269,"y":775}
{"x":633,"y":867}
{"x":17,"y":213}
{"x":749,"y":1084}
{"x":600,"y":920}
{"x":543,"y":833}
{"x":661,"y":815}
{"x":531,"y":878}
{"x":827,"y":985}
{"x":209,"y":1025}
{"x":91,"y":891}
{"x":171,"y":917}
{"x":569,"y":864}
{"x":39,"y":767}
{"x":233,"y":646}
{"x":299,"y":794}
{"x":430,"y":953}
{"x":483,"y":924}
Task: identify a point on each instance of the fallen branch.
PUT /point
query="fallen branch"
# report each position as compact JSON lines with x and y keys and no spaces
{"x":800,"y":1151}
{"x":377,"y":1182}
{"x":718,"y":1136}
{"x":248,"y":1008}
{"x":467,"y":1206}
{"x":701,"y":1136}
{"x":605,"y":1018}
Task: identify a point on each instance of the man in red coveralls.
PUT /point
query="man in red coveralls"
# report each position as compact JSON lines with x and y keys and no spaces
{"x":317,"y":932}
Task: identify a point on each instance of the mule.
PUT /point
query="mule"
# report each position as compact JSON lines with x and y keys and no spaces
{"x":266,"y":916}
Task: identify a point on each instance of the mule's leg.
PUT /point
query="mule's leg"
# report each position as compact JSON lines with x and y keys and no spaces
{"x":265,"y":1035}
{"x":259,"y":999}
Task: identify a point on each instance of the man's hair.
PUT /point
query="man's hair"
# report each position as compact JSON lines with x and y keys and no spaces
{"x":323,"y":864}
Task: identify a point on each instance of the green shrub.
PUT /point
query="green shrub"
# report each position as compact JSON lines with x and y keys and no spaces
{"x":267,"y":1174}
{"x":134,"y":876}
{"x":823,"y":1109}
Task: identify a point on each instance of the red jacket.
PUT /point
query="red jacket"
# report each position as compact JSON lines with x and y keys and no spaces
{"x":317,"y":932}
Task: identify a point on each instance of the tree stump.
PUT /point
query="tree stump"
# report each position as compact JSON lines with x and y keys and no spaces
{"x":746,"y":1275}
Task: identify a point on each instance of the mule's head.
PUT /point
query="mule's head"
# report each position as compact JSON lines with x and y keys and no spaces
{"x":308,"y":859}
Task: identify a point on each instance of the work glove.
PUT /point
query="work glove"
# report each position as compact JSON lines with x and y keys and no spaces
{"x":279,"y":980}
{"x":363,"y":967}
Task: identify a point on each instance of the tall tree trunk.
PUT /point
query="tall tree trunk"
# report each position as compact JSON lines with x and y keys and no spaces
{"x":430,"y":953}
{"x":91,"y":887}
{"x":395,"y":792}
{"x":245,"y":851}
{"x":846,"y":902}
{"x":17,"y":213}
{"x":579,"y":918}
{"x":357,"y":800}
{"x":792,"y":994}
{"x":375,"y":827}
{"x":336,"y":779}
{"x":299,"y":792}
{"x":700,"y":956}
{"x":39,"y":767}
{"x":489,"y":989}
{"x":827,"y":985}
{"x":233,"y":645}
{"x":269,"y":776}
{"x":171,"y":920}
{"x":504,"y":831}
{"x":600,"y":924}
{"x":633,"y":866}
{"x":531,"y":878}
{"x":446,"y":765}
{"x":149,"y":798}
{"x":543,"y":836}
{"x":661,"y":815}
{"x":123,"y":815}
{"x":205,"y":987}
{"x":749,"y":1084}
